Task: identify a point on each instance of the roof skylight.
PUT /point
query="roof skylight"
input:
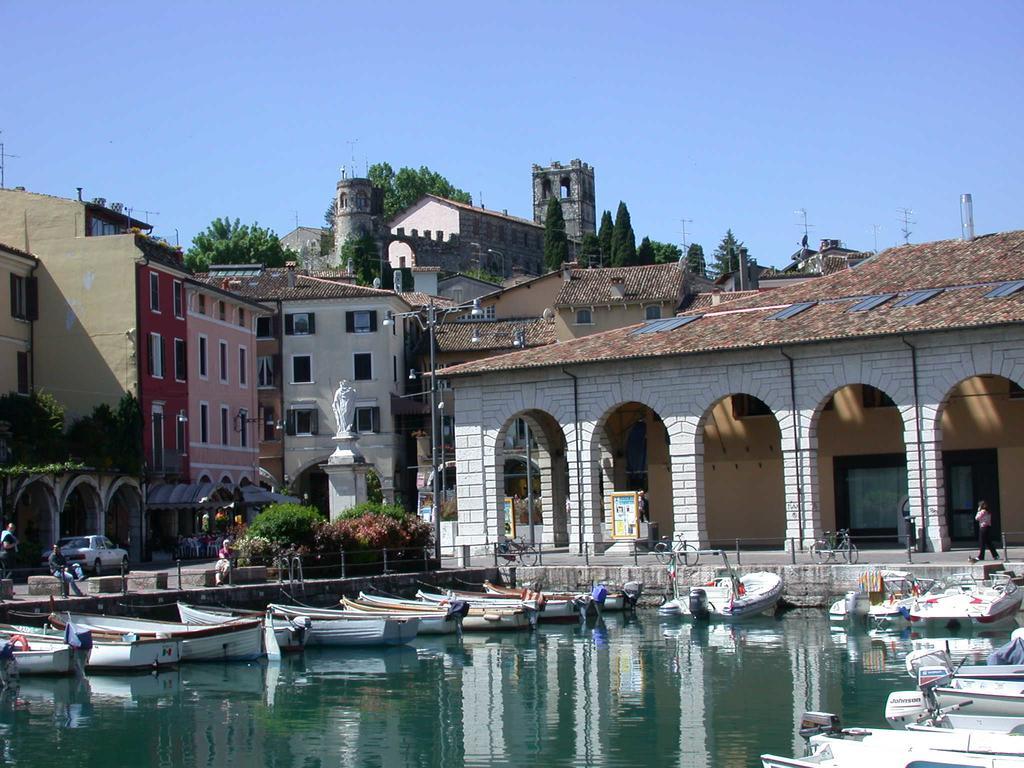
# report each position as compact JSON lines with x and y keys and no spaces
{"x":871,"y":302}
{"x":791,"y":310}
{"x":665,"y":324}
{"x":1004,"y":290}
{"x":918,"y":297}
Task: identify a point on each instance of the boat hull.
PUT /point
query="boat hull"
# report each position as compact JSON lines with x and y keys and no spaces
{"x":355,"y":631}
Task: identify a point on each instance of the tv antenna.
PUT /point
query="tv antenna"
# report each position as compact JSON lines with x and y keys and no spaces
{"x":352,"y":154}
{"x":128,"y":211}
{"x":905,"y":217}
{"x":802,"y":212}
{"x":875,"y":228}
{"x":3,"y":162}
{"x":686,"y":245}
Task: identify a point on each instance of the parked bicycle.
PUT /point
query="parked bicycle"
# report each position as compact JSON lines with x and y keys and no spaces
{"x":835,"y":544}
{"x":517,"y":549}
{"x":677,"y":548}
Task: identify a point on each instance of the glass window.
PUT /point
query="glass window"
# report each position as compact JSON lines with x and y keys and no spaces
{"x":177,"y":289}
{"x":243,"y":428}
{"x":180,"y":364}
{"x":224,"y":362}
{"x":269,"y":425}
{"x":204,"y":423}
{"x":361,"y":322}
{"x":265,"y":371}
{"x":302,"y":369}
{"x":305,"y":421}
{"x":201,"y":304}
{"x":222,"y":310}
{"x":362,"y":366}
{"x":264,"y":328}
{"x":652,"y":313}
{"x":367,"y":419}
{"x":202,"y":357}
{"x":301,"y":323}
{"x":243,"y":364}
{"x":241,"y":317}
{"x":154,"y":291}
{"x":224,"y":418}
{"x":584,"y":317}
{"x":19,"y":297}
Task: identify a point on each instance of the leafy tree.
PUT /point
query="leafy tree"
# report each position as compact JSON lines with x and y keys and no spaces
{"x":408,"y":185}
{"x":666,"y":253}
{"x":37,"y":427}
{"x":287,"y":524}
{"x":327,"y":232}
{"x":363,"y":259}
{"x":556,"y":245}
{"x":695,"y":260}
{"x":590,"y":250}
{"x":623,"y":239}
{"x":645,"y":253}
{"x":108,"y":438}
{"x":726,"y":255}
{"x":604,"y":237}
{"x":229,"y":242}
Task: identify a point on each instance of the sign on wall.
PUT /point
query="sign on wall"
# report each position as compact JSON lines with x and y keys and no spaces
{"x":624,"y":515}
{"x":510,"y":518}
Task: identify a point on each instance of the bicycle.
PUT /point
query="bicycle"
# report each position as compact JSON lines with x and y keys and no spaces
{"x":825,"y":549}
{"x":517,"y":549}
{"x":677,"y":548}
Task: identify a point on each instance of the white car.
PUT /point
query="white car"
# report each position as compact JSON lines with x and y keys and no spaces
{"x":95,"y":553}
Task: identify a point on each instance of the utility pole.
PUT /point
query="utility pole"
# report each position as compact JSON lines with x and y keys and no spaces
{"x":3,"y":162}
{"x":686,"y":245}
{"x":905,"y":217}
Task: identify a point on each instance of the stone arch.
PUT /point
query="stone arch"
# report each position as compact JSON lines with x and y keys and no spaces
{"x":743,"y":473}
{"x":81,"y":509}
{"x":310,"y":484}
{"x":123,"y":516}
{"x":531,"y":467}
{"x":34,"y":511}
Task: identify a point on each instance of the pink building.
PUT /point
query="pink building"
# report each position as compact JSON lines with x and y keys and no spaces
{"x":223,"y":410}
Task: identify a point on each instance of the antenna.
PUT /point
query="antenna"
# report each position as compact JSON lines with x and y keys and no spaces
{"x":128,"y":212}
{"x":802,"y":212}
{"x":296,"y":219}
{"x":875,"y":228}
{"x":686,"y":245}
{"x":352,"y":153}
{"x":3,"y":158}
{"x":905,"y":214}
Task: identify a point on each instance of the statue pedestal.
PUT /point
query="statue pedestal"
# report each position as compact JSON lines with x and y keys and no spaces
{"x":346,"y":476}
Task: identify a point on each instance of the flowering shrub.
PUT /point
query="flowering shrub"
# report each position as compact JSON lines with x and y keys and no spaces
{"x":256,"y":550}
{"x":372,"y":531}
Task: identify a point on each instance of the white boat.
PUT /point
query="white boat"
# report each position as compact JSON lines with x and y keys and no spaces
{"x":854,"y":605}
{"x":939,"y":658}
{"x":479,"y":618}
{"x":835,"y":747}
{"x":967,"y":601}
{"x":290,"y":633}
{"x":352,"y":629}
{"x":615,"y":599}
{"x":432,"y":622}
{"x":727,"y":598}
{"x":47,"y":659}
{"x":238,"y":641}
{"x":547,"y":610}
{"x":112,"y":654}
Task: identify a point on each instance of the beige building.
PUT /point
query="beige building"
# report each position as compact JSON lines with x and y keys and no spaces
{"x":19,"y":308}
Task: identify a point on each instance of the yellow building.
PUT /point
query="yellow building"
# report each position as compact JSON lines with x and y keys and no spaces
{"x":19,"y":308}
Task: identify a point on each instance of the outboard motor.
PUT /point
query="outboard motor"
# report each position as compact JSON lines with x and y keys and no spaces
{"x":698,"y":604}
{"x":632,"y":590}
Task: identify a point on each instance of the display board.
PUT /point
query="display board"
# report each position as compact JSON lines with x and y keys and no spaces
{"x":510,"y":518}
{"x":624,"y":515}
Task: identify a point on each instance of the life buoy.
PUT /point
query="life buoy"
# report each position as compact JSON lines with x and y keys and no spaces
{"x":20,"y":642}
{"x":740,"y":589}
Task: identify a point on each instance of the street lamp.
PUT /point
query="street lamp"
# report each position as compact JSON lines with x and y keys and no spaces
{"x":429,"y":318}
{"x":502,"y":254}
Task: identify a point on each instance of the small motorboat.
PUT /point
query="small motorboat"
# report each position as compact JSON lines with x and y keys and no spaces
{"x":342,"y":628}
{"x":112,"y":652}
{"x":968,"y":601}
{"x":831,"y":746}
{"x":726,"y":598}
{"x":547,"y":609}
{"x":40,"y":655}
{"x":878,"y":596}
{"x":238,"y":641}
{"x":432,"y":621}
{"x":490,"y":618}
{"x":613,"y":599}
{"x":290,"y":633}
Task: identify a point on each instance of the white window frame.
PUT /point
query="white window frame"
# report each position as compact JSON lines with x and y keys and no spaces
{"x":295,"y":323}
{"x":203,"y":356}
{"x":359,"y":354}
{"x":364,"y":409}
{"x":156,"y":353}
{"x":291,"y":367}
{"x":154,"y":292}
{"x":260,"y":382}
{"x":223,"y":361}
{"x":590,"y":316}
{"x":243,"y":364}
{"x":204,"y":422}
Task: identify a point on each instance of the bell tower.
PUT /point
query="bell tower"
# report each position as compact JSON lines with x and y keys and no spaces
{"x":358,"y":206}
{"x":573,"y":185}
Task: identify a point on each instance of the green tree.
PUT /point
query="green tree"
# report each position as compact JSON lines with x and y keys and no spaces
{"x":286,"y":524}
{"x":363,"y":259}
{"x":109,"y":439}
{"x":645,"y":253}
{"x":37,"y":427}
{"x":604,"y":237}
{"x":327,"y":232}
{"x":623,"y":239}
{"x":590,"y":250}
{"x":695,"y":260}
{"x":408,"y":185}
{"x":229,"y":242}
{"x":666,"y":253}
{"x":726,"y":255}
{"x":556,"y":245}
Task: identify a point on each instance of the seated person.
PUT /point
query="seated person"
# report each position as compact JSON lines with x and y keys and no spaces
{"x":224,"y":556}
{"x":58,"y":565}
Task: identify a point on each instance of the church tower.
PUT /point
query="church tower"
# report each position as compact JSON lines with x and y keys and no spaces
{"x":574,"y":187}
{"x":358,"y":207}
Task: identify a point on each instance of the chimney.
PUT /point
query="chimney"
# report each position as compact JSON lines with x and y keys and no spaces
{"x":290,"y":267}
{"x":79,"y":193}
{"x":744,"y":271}
{"x":967,"y":217}
{"x":618,"y":287}
{"x":716,"y":297}
{"x":566,"y":272}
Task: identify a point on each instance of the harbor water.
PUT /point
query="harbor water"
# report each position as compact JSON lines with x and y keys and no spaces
{"x":625,"y":691}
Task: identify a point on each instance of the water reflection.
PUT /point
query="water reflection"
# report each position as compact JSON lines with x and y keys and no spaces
{"x":613,"y":692}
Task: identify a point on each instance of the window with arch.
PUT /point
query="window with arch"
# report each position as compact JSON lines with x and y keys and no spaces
{"x":545,"y":189}
{"x":584,"y":316}
{"x":565,"y":187}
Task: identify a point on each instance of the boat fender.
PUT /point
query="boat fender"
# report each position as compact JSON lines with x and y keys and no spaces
{"x":20,"y":642}
{"x":740,"y":589}
{"x":492,"y":617}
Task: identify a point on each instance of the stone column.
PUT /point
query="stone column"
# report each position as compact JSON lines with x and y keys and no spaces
{"x":800,"y":475}
{"x":926,"y":483}
{"x":471,"y":488}
{"x":686,"y":461}
{"x":583,"y":474}
{"x":346,"y":476}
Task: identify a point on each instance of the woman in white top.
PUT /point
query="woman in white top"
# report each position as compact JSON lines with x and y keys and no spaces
{"x":984,"y":518}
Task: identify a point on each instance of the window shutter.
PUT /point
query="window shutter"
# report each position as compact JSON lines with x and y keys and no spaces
{"x":14,"y":295}
{"x":375,"y":419}
{"x":163,"y":356}
{"x":275,"y":325}
{"x":23,"y":373}
{"x":277,"y":374}
{"x":373,"y":321}
{"x":289,"y":325}
{"x":289,"y":422}
{"x":314,"y":422}
{"x":350,"y":322}
{"x":184,"y":360}
{"x":312,"y":323}
{"x":149,"y":354}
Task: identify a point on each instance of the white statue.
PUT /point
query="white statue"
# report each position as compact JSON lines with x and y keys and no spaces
{"x":344,"y":408}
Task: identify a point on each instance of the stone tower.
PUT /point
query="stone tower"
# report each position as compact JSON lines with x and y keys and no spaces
{"x":574,"y":186}
{"x":358,"y":209}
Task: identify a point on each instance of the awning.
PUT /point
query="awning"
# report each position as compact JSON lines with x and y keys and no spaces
{"x":212,"y":496}
{"x":259,"y":496}
{"x":407,"y":406}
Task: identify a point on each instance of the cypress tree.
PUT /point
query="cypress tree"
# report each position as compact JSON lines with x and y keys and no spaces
{"x":590,"y":250}
{"x":695,"y":260}
{"x":604,"y":237}
{"x":623,"y":239}
{"x":556,"y":245}
{"x":645,"y":253}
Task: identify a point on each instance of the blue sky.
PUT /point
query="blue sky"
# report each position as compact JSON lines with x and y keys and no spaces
{"x":728,"y":114}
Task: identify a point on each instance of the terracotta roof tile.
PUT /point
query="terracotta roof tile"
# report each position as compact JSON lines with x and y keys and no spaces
{"x":701,"y":302}
{"x":658,"y":282}
{"x":272,"y":284}
{"x":493,"y":334}
{"x":967,"y":270}
{"x":420,"y":299}
{"x":483,"y":211}
{"x":17,"y":251}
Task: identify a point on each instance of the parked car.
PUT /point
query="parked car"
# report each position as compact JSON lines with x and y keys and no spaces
{"x":95,"y":553}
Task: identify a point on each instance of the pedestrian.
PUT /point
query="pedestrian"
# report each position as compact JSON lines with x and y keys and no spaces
{"x":984,"y":518}
{"x":645,"y":506}
{"x":58,"y":565}
{"x":8,"y":549}
{"x":223,"y":562}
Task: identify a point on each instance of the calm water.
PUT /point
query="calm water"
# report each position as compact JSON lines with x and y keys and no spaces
{"x":643,"y":691}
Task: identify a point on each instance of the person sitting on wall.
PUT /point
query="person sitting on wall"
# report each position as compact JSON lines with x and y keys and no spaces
{"x":223,"y":562}
{"x":58,"y":565}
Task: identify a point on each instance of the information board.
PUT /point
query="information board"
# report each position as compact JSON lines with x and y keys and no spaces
{"x":624,"y":515}
{"x":510,"y":519}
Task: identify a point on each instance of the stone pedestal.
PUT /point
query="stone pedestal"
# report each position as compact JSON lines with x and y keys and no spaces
{"x":346,"y":475}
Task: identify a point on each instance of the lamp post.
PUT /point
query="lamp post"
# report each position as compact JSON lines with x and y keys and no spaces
{"x":502,"y":254}
{"x":428,"y":318}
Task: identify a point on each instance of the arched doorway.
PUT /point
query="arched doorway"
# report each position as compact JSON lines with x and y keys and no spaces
{"x":633,"y":455}
{"x":982,"y":432}
{"x":34,"y":515}
{"x":312,"y":487}
{"x":81,"y":512}
{"x":862,"y":464}
{"x":744,"y":486}
{"x":533,"y":479}
{"x":123,"y":519}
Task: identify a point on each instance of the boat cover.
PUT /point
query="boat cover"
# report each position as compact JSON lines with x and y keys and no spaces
{"x":1011,"y":653}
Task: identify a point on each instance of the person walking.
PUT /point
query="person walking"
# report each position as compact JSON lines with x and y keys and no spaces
{"x":8,"y":550}
{"x":645,"y":506}
{"x":984,"y":519}
{"x":58,"y":565}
